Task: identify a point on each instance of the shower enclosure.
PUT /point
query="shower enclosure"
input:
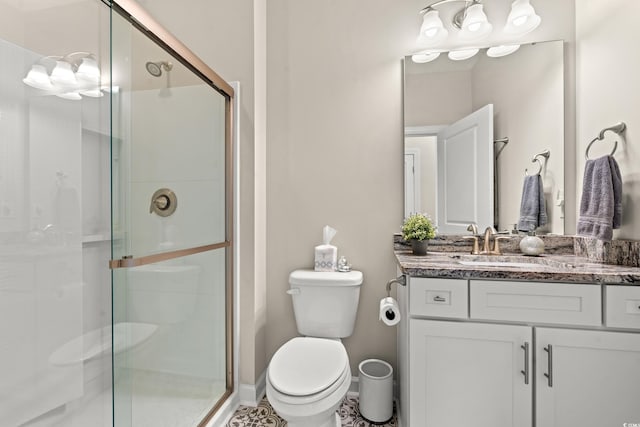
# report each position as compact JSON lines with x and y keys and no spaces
{"x":115,"y":221}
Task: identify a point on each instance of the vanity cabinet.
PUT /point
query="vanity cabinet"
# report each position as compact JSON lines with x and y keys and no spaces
{"x":501,"y":364}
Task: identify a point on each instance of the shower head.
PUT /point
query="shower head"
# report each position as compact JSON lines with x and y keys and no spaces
{"x":155,"y":68}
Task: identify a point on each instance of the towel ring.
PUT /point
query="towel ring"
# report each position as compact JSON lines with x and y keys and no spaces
{"x":597,"y":138}
{"x":618,"y":128}
{"x":536,"y":158}
{"x":540,"y":166}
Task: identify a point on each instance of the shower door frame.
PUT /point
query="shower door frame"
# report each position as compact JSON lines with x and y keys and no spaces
{"x":140,"y":19}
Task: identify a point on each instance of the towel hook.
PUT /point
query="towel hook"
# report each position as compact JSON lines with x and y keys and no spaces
{"x":536,"y":158}
{"x":504,"y":142}
{"x":618,"y":128}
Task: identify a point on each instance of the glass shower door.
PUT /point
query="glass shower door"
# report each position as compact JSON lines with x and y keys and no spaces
{"x":171,"y":222}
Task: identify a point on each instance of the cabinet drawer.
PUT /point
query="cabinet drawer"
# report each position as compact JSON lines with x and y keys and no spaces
{"x":536,"y":302}
{"x":438,"y":297}
{"x":623,"y":306}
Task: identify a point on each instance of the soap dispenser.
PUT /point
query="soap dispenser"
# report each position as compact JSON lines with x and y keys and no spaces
{"x":532,"y":244}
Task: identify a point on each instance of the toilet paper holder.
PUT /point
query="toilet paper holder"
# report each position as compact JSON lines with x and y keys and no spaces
{"x":400,"y":280}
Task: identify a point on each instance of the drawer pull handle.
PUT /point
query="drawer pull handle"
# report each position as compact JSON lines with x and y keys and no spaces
{"x":525,"y":372}
{"x":549,"y":375}
{"x":438,"y":298}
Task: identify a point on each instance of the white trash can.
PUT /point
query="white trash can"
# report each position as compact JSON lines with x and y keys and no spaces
{"x":375,"y":378}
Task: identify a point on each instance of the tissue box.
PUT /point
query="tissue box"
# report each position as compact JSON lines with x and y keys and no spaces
{"x":326,"y":258}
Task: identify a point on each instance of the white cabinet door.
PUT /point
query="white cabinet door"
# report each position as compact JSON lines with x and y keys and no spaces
{"x":595,"y":378}
{"x":469,"y":374}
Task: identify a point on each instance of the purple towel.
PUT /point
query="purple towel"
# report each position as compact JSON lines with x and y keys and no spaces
{"x":533,"y":211}
{"x":601,"y":203}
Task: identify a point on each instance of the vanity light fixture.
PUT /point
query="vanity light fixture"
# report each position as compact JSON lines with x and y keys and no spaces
{"x":473,"y":25}
{"x":73,"y":75}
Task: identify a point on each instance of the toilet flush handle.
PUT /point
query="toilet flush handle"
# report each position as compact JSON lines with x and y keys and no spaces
{"x":294,"y":291}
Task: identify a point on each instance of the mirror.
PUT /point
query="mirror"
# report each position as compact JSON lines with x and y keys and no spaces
{"x":526,"y":90}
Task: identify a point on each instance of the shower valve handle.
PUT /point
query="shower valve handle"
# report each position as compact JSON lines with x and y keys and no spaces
{"x":161,"y":202}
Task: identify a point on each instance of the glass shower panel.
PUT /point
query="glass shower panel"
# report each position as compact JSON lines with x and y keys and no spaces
{"x":169,"y":221}
{"x":169,"y":341}
{"x":55,"y":317}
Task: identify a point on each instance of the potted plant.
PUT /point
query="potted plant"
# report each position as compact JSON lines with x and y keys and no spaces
{"x":418,"y":229}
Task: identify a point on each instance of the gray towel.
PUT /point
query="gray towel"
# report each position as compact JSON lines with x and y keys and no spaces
{"x":533,"y":212}
{"x":601,"y":203}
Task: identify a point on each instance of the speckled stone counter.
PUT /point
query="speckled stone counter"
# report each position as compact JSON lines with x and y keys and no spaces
{"x":544,"y":268}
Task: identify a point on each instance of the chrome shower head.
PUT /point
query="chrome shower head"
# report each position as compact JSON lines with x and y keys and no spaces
{"x":155,"y":68}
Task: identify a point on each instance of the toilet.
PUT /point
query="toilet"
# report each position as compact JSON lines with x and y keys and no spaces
{"x":308,"y":376}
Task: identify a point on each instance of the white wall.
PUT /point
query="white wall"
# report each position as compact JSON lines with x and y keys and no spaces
{"x":607,"y":84}
{"x":441,"y":99}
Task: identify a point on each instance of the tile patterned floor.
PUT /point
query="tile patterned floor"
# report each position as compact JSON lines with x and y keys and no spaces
{"x":265,"y":416}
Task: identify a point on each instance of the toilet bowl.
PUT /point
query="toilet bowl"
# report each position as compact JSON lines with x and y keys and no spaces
{"x":307,"y":380}
{"x":309,"y":376}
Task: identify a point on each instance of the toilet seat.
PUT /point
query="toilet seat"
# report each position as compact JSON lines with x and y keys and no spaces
{"x":307,"y":369}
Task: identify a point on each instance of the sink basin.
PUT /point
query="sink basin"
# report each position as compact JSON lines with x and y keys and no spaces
{"x":511,"y":261}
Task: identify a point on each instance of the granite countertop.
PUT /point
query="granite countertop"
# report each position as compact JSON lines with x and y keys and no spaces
{"x":544,"y":268}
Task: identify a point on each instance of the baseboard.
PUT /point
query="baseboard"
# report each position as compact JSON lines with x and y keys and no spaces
{"x":252,"y":394}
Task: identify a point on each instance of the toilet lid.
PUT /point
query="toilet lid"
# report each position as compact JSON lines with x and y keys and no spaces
{"x":304,"y":366}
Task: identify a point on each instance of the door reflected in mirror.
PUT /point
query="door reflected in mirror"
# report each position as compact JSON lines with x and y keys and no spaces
{"x":526,"y":90}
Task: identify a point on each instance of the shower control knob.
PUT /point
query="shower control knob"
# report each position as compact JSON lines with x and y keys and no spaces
{"x":163,"y":202}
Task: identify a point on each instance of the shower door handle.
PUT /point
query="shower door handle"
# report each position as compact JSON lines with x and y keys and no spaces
{"x":129,"y":261}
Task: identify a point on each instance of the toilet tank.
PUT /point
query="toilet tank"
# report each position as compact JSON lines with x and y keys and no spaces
{"x":325,"y":304}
